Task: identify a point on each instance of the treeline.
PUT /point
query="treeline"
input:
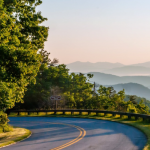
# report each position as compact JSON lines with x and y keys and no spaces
{"x":76,"y":91}
{"x":21,"y":37}
{"x":53,"y":79}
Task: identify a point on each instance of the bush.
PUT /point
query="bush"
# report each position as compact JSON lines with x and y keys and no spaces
{"x":3,"y":118}
{"x":131,"y":108}
{"x":4,"y":127}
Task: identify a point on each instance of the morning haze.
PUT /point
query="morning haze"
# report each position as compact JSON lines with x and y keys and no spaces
{"x":98,"y":31}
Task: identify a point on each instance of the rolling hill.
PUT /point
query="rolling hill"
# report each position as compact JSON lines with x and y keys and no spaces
{"x":128,"y":70}
{"x":146,"y":64}
{"x":111,"y":68}
{"x":108,"y":79}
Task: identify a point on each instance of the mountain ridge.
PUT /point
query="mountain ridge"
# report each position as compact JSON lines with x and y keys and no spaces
{"x":108,"y":79}
{"x":128,"y":70}
{"x":87,"y":66}
{"x":111,"y":68}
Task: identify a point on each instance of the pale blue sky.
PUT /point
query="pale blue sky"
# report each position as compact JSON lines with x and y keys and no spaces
{"x":98,"y":30}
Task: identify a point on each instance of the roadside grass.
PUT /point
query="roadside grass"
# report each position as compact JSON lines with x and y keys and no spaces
{"x":18,"y":134}
{"x":144,"y":126}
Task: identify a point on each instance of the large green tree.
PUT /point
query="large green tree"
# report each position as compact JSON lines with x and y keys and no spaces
{"x":37,"y":94}
{"x":21,"y":36}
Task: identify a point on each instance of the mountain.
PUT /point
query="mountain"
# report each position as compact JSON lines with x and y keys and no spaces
{"x":128,"y":70}
{"x":108,"y":79}
{"x":87,"y":66}
{"x":146,"y":64}
{"x":105,"y":79}
{"x":133,"y":89}
{"x":111,"y":68}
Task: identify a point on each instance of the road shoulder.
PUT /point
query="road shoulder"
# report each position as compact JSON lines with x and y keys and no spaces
{"x":9,"y":138}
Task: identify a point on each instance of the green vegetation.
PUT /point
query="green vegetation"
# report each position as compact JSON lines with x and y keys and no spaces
{"x":77,"y":93}
{"x":55,"y":79}
{"x":21,"y":36}
{"x":4,"y":127}
{"x":138,"y":99}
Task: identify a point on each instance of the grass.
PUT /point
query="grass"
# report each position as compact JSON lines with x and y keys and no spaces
{"x":11,"y":137}
{"x":144,"y":126}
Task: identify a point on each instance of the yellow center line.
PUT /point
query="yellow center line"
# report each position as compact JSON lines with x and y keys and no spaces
{"x":80,"y":137}
{"x":69,"y":144}
{"x":82,"y":132}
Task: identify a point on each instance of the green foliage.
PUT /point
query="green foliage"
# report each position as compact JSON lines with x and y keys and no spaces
{"x":20,"y":39}
{"x":4,"y":127}
{"x":138,"y":99}
{"x":142,"y":108}
{"x":131,"y":108}
{"x":3,"y":118}
{"x":109,"y":99}
{"x":140,"y":104}
{"x":74,"y":88}
{"x":78,"y":91}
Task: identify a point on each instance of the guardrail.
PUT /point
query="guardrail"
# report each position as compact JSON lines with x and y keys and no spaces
{"x":143,"y":116}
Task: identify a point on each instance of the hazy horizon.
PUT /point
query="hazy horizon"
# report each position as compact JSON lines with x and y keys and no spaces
{"x":100,"y":30}
{"x":107,"y":62}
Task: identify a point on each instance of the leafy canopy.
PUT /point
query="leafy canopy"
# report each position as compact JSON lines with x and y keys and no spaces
{"x":21,"y":36}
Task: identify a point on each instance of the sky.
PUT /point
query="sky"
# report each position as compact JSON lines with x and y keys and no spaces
{"x":98,"y":30}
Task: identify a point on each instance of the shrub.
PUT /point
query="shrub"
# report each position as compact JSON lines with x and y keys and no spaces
{"x":4,"y":127}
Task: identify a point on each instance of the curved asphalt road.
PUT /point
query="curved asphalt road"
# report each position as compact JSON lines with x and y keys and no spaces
{"x":49,"y":133}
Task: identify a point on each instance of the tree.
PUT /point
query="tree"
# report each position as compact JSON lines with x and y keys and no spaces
{"x":37,"y":94}
{"x":141,"y":108}
{"x":132,"y":98}
{"x":20,"y":39}
{"x":109,"y":99}
{"x":74,"y":88}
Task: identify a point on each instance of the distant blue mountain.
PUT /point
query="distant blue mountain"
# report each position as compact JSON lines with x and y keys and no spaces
{"x":146,"y":64}
{"x":111,"y":68}
{"x":108,"y":79}
{"x":128,"y":70}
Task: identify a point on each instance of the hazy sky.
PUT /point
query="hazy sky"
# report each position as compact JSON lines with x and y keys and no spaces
{"x":98,"y":30}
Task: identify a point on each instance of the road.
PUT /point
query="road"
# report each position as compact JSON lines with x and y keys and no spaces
{"x":55,"y":133}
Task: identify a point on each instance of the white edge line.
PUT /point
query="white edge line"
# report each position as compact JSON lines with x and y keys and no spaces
{"x":17,"y":141}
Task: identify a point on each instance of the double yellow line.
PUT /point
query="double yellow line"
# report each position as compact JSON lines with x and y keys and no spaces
{"x":80,"y":137}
